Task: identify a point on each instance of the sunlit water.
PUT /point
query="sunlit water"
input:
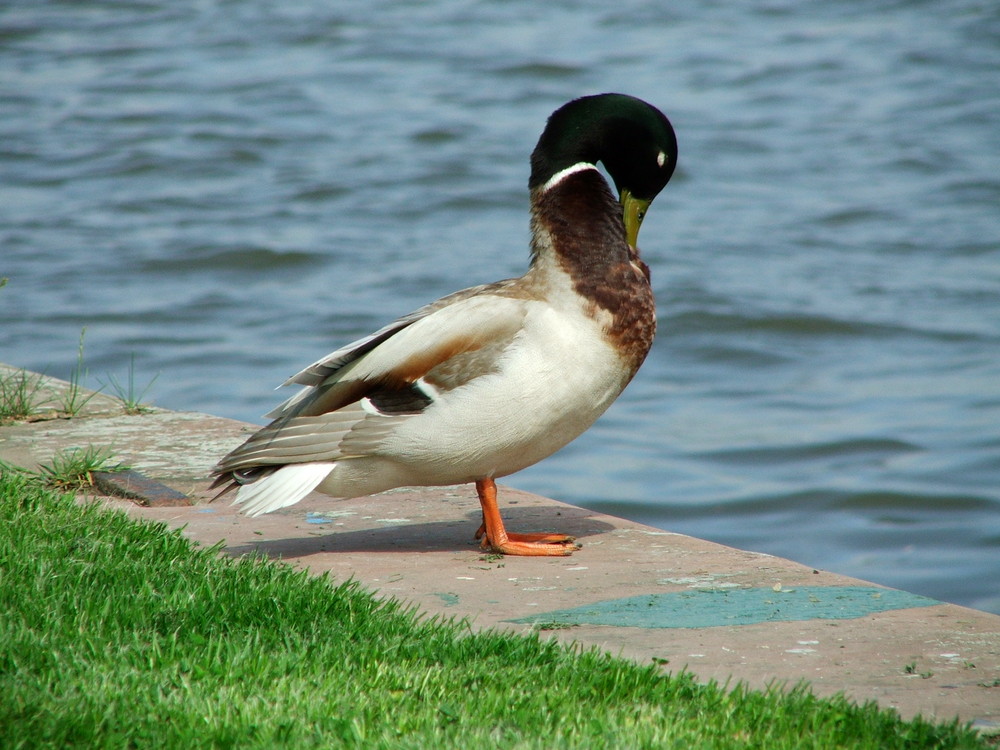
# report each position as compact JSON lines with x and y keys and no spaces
{"x":225,"y":191}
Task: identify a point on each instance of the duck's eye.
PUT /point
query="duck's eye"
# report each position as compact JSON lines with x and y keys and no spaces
{"x":640,"y":215}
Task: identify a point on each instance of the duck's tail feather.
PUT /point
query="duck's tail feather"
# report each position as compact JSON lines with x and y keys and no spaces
{"x":276,"y":487}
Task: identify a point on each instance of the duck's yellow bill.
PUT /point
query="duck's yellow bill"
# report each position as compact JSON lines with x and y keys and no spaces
{"x":634,"y":212}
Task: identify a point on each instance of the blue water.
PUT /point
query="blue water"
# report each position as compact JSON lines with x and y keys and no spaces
{"x":225,"y":191}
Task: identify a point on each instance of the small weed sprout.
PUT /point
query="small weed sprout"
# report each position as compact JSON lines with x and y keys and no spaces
{"x":131,"y":398}
{"x":75,"y":398}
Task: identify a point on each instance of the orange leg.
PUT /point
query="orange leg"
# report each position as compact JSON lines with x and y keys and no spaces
{"x":495,"y":537}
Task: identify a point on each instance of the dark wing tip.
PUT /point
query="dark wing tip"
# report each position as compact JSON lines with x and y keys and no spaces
{"x":238,"y":477}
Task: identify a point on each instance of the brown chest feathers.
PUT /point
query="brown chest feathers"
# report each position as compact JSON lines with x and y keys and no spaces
{"x":584,"y":222}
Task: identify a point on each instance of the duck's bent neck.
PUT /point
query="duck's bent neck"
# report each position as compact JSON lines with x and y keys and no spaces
{"x":575,"y":217}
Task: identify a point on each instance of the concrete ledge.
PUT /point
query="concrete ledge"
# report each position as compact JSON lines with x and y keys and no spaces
{"x":643,"y":593}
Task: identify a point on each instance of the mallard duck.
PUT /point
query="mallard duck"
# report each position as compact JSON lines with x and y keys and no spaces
{"x":489,"y":380}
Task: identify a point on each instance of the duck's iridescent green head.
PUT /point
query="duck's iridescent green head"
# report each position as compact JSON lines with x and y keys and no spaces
{"x":632,"y":139}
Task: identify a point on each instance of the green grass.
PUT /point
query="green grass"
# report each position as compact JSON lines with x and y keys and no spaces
{"x":69,"y":469}
{"x":19,"y":395}
{"x":23,"y":393}
{"x":73,"y":468}
{"x":117,"y":633}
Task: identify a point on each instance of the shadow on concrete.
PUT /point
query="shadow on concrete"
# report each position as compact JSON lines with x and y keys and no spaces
{"x":436,"y":536}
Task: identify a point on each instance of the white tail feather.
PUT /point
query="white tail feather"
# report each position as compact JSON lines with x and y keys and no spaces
{"x":285,"y":487}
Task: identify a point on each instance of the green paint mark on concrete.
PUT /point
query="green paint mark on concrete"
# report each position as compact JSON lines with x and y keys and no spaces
{"x":449,"y":599}
{"x":708,"y":608}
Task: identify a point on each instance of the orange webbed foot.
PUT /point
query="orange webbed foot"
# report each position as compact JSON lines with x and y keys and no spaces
{"x":516,"y":544}
{"x":495,"y":538}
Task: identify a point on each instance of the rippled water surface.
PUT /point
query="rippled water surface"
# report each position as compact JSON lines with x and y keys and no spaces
{"x":225,"y":191}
